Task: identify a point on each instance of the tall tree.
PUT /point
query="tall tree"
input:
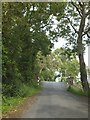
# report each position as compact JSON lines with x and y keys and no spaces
{"x":59,"y":60}
{"x":74,"y":28}
{"x":24,"y":35}
{"x":84,"y":10}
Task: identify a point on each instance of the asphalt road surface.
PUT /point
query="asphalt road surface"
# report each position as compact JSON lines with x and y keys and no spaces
{"x":55,"y":101}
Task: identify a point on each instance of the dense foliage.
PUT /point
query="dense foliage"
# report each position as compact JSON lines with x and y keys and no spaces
{"x":24,"y":34}
{"x":61,"y":60}
{"x":28,"y":33}
{"x":74,"y":27}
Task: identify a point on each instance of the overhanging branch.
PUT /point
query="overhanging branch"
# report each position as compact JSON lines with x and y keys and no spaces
{"x":77,"y":8}
{"x":72,"y":25}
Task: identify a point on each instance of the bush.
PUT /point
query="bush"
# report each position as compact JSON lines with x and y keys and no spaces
{"x":8,"y":103}
{"x":27,"y":90}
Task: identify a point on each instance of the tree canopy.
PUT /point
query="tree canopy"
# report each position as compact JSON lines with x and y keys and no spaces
{"x":28,"y":33}
{"x":24,"y":34}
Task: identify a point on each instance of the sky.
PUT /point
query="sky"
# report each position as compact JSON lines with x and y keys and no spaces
{"x":62,"y":42}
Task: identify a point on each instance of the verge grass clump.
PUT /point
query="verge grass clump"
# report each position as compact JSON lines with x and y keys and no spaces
{"x":25,"y":91}
{"x":10,"y":103}
{"x":78,"y":91}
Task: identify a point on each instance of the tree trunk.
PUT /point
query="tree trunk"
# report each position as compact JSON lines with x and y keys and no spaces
{"x":83,"y":73}
{"x":80,"y":51}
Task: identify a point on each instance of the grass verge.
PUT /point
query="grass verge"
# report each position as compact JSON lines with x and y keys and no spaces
{"x":11,"y":102}
{"x":78,"y":91}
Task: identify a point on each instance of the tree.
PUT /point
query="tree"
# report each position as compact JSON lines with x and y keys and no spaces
{"x":24,"y":35}
{"x":46,"y":71}
{"x":74,"y":28}
{"x":84,"y":11}
{"x":81,"y":31}
{"x":58,"y":60}
{"x":69,"y":64}
{"x":22,"y":39}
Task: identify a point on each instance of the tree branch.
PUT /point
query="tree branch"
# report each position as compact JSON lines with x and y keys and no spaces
{"x":88,"y":35}
{"x":80,"y":4}
{"x":86,"y":32}
{"x":47,"y":23}
{"x":72,"y":25}
{"x":88,"y":13}
{"x":76,"y":8}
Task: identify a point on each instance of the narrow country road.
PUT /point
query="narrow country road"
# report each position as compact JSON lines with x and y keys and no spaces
{"x":55,"y":102}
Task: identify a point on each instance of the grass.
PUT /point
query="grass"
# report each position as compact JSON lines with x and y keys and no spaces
{"x":78,"y":91}
{"x":11,"y":102}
